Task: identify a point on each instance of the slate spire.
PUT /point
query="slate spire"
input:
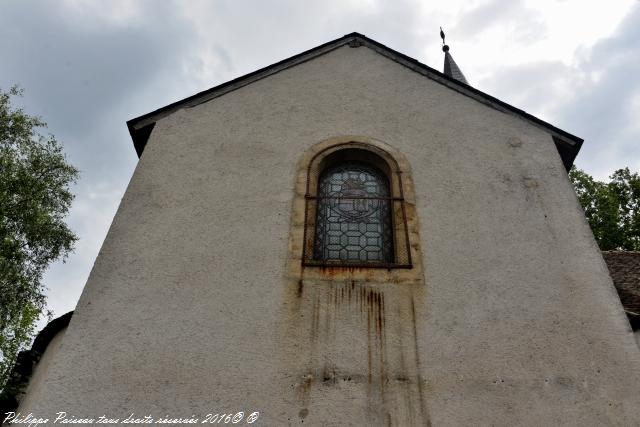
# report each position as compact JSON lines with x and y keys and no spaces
{"x":451,"y":69}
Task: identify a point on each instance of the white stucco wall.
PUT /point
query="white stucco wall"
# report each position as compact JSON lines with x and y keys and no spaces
{"x":42,"y":370}
{"x":187,"y":308}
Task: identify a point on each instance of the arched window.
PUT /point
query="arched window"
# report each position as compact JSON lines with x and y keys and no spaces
{"x":355,"y":214}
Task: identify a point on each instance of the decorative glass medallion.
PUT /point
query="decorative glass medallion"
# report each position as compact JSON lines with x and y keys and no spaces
{"x":353,"y":220}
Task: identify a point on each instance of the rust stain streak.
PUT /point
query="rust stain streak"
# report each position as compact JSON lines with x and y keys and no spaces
{"x":423,"y":409}
{"x":383,"y":317}
{"x":382,"y":345}
{"x":305,"y":389}
{"x":336,"y":315}
{"x":313,"y":321}
{"x":326,"y":317}
{"x":369,"y":338}
{"x":300,"y":288}
{"x":379,"y":306}
{"x":316,"y":317}
{"x":406,"y":391}
{"x":383,"y":350}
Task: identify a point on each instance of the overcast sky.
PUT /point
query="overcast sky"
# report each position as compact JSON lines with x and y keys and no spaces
{"x":89,"y":66}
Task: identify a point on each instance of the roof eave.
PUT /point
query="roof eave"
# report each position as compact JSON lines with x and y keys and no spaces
{"x":140,"y":127}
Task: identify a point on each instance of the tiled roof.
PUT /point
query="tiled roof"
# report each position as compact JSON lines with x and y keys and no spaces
{"x":452,"y":70}
{"x":624,"y":267}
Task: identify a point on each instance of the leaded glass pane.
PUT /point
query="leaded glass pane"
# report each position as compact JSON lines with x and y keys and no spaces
{"x":353,"y":219}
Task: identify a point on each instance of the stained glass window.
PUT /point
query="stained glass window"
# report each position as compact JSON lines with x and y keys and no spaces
{"x":353,"y":216}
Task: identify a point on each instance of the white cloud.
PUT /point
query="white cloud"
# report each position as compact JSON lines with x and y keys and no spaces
{"x":88,"y":66}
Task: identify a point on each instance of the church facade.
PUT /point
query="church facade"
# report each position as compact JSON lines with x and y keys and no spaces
{"x":348,"y":237}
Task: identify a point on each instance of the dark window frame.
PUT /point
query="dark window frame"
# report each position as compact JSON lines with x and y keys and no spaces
{"x":377,"y":158}
{"x":354,"y":222}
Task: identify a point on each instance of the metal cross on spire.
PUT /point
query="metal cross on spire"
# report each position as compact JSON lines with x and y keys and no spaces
{"x":451,"y":69}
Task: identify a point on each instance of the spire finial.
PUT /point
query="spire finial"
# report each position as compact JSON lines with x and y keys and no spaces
{"x":445,"y":48}
{"x":451,"y":69}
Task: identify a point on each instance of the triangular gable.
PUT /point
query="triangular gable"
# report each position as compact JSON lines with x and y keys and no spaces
{"x":140,"y":128}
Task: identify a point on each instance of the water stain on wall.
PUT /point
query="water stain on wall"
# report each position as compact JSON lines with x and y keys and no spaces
{"x":350,"y":343}
{"x":358,"y":349}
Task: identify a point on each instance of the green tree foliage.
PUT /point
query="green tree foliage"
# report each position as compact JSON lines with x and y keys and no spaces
{"x":612,"y":208}
{"x":34,"y":200}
